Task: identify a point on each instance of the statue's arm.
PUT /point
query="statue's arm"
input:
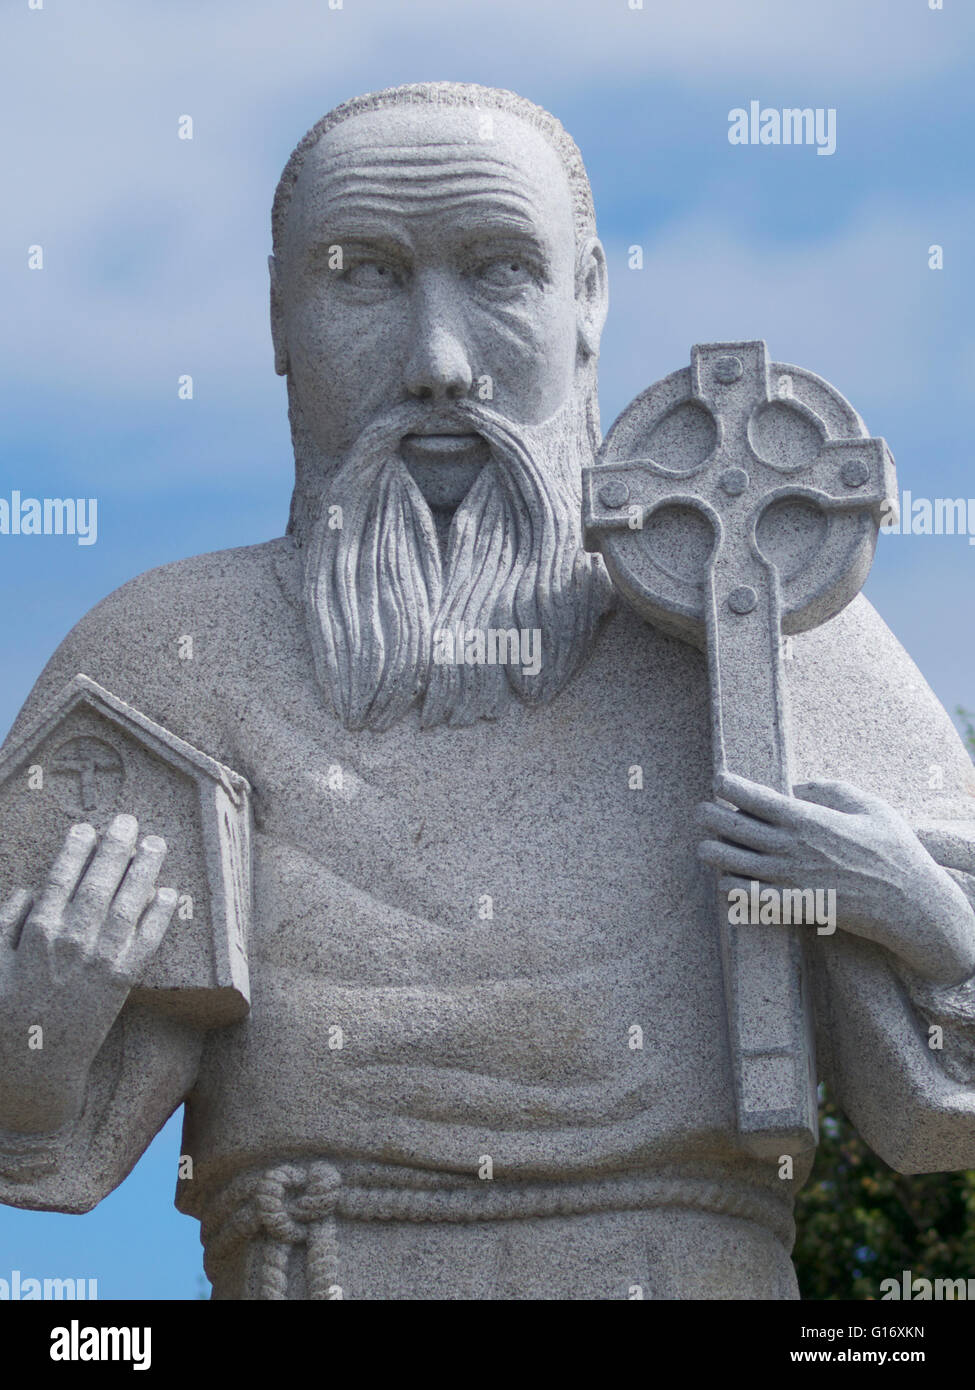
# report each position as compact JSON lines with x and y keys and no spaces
{"x":87,"y":1075}
{"x":897,"y":1051}
{"x":863,"y":713}
{"x":948,"y":1011}
{"x":143,"y":1071}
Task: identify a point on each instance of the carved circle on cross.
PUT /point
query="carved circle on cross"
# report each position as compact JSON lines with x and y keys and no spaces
{"x":729,"y":473}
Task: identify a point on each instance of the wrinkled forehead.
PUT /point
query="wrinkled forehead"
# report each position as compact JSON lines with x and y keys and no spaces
{"x":418,"y":163}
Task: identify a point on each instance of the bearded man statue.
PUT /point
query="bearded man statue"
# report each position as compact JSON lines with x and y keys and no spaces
{"x":453,"y":872}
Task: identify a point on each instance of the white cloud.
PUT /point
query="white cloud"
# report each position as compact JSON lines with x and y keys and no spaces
{"x":97,"y":89}
{"x":155,"y":247}
{"x":859,"y":307}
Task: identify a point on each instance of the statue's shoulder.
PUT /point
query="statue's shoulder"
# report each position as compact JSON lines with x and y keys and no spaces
{"x":854,"y":652}
{"x":209,"y":595}
{"x":232,"y":579}
{"x":161,"y":641}
{"x":861,"y":705}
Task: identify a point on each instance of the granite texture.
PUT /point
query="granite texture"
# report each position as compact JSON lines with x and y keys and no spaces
{"x":486,"y":1054}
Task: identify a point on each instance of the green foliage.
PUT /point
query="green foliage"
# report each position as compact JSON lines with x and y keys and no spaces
{"x":966,"y":716}
{"x":860,"y":1222}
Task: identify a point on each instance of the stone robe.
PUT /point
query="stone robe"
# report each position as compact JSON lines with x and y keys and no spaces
{"x":485,"y":913}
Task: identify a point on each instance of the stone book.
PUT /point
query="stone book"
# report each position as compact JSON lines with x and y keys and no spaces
{"x":90,"y":755}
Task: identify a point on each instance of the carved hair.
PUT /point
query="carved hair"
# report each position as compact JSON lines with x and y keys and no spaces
{"x":377,"y":594}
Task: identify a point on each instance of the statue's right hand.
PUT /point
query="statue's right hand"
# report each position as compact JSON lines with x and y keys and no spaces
{"x":67,"y":962}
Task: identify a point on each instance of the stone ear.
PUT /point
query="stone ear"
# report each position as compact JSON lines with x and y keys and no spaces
{"x":281,"y":362}
{"x":592,"y":295}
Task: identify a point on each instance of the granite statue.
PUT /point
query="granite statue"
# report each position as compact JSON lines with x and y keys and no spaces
{"x":392,"y":847}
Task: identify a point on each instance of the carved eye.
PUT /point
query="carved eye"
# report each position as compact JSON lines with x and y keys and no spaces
{"x":372,"y":275}
{"x":506,"y":272}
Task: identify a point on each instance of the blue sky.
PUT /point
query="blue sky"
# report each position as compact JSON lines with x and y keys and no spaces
{"x":155,"y":265}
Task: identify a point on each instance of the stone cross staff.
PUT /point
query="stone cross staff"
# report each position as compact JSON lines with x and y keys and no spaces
{"x":734,"y":503}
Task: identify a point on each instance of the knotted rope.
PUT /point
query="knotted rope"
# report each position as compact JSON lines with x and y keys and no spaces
{"x":275,"y":1211}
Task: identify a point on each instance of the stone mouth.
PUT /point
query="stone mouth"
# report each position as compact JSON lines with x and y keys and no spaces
{"x":444,"y":465}
{"x":442,"y":441}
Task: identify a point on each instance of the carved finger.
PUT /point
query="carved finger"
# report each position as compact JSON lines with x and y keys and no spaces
{"x":13,"y":915}
{"x":742,"y":828}
{"x":66,"y":872}
{"x":136,"y":892}
{"x":730,"y":859}
{"x":763,"y":802}
{"x":838,"y":796}
{"x":152,"y":929}
{"x":100,"y":883}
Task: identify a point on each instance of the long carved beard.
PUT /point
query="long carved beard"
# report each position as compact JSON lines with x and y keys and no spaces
{"x":377,"y":592}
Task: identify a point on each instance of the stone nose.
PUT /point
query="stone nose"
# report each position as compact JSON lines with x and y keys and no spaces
{"x":438,"y":367}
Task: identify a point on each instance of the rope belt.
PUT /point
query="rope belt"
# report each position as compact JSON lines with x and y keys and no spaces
{"x":275,"y":1211}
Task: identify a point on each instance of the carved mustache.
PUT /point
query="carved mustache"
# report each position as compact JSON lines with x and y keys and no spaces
{"x":463,"y":417}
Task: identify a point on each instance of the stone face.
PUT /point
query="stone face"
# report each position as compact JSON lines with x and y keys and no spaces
{"x":487,"y":1050}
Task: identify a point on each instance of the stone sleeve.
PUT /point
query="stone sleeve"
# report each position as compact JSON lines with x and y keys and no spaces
{"x":145,"y":1069}
{"x":914,"y":1104}
{"x":149,"y":1061}
{"x":948,"y":1012}
{"x":26,"y":1157}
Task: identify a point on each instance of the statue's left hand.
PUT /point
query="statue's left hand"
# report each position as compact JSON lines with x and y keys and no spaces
{"x":831,"y":835}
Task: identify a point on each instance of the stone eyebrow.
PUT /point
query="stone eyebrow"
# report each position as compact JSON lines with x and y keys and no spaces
{"x":357,"y":243}
{"x":368,"y":222}
{"x":378,"y":240}
{"x":500,"y":235}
